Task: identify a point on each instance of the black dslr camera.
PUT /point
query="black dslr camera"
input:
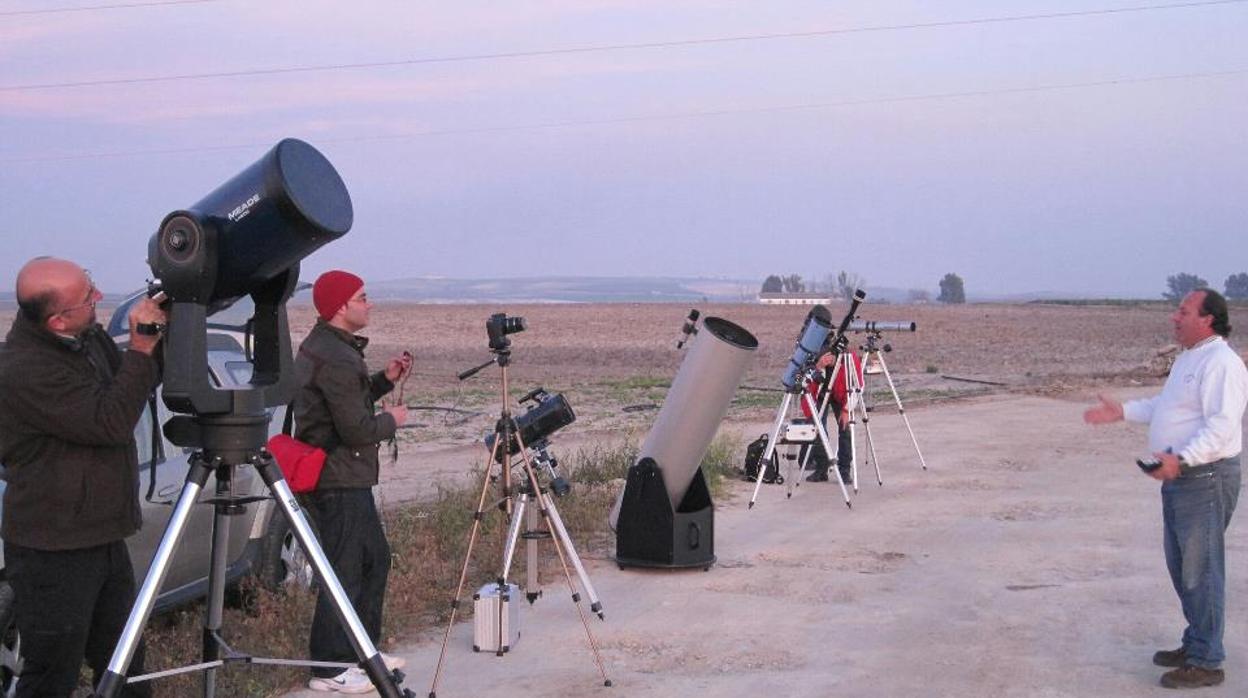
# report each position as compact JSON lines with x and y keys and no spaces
{"x":498,"y":326}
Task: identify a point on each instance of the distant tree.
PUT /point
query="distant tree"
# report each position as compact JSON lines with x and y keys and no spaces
{"x":1237,"y":286}
{"x":918,"y":295}
{"x":773,"y":284}
{"x":793,"y":283}
{"x":1182,"y":284}
{"x":847,"y":283}
{"x":951,"y":290}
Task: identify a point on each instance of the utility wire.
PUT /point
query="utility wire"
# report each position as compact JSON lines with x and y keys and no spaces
{"x":605,"y":47}
{"x":86,"y":8}
{"x":658,"y":117}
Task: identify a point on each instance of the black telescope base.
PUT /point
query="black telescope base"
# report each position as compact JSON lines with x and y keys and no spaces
{"x":649,"y":533}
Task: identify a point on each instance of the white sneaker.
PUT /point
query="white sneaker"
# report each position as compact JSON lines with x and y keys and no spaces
{"x":352,"y":680}
{"x":392,"y":662}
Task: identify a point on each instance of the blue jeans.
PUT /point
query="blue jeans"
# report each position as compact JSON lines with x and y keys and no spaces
{"x":1196,"y":509}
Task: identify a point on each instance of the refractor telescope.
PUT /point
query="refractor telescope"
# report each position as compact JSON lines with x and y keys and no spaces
{"x":878,"y":326}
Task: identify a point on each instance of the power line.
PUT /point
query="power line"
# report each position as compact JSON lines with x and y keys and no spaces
{"x":86,"y":8}
{"x":658,"y":117}
{"x":606,"y":47}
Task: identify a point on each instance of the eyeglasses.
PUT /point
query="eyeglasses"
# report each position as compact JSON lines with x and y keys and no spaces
{"x":88,"y":302}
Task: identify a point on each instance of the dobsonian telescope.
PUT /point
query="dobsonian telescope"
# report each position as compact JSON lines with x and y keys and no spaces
{"x":246,"y":238}
{"x":665,"y":516}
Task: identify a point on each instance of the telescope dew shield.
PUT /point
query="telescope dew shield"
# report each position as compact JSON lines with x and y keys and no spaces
{"x":810,"y":341}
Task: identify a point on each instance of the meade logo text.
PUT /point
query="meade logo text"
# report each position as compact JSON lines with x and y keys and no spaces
{"x":243,"y":209}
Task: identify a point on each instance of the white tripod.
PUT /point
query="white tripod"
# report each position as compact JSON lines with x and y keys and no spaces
{"x":781,"y":416}
{"x":873,"y":349}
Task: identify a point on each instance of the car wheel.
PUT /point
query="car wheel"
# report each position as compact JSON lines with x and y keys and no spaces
{"x":283,"y":562}
{"x":10,"y":642}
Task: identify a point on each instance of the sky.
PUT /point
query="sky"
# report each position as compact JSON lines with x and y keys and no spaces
{"x":1087,"y":147}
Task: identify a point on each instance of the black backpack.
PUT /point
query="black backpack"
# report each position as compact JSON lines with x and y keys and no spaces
{"x":754,"y":454}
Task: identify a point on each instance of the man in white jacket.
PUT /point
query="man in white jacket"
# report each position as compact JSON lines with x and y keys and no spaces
{"x":1195,"y":432}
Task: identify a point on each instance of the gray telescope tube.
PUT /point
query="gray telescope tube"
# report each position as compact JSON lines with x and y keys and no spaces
{"x":695,"y":405}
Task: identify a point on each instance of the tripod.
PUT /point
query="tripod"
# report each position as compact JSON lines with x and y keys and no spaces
{"x":505,"y":435}
{"x":855,"y":404}
{"x":545,"y":505}
{"x":874,"y":348}
{"x":799,"y":388}
{"x":228,"y":443}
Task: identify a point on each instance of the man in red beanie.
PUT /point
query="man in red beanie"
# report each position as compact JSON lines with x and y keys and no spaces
{"x":334,"y":409}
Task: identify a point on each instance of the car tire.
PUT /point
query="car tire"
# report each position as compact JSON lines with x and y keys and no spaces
{"x":283,"y":564}
{"x":10,"y":642}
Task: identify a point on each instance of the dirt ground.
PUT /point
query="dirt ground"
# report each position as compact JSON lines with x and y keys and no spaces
{"x":1026,"y":561}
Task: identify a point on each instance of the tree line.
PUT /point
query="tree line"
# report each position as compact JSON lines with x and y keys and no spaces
{"x":1178,"y":285}
{"x":845,"y":283}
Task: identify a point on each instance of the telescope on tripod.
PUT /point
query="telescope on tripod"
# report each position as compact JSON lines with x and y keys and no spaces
{"x":497,"y":620}
{"x":815,"y":338}
{"x":247,"y":237}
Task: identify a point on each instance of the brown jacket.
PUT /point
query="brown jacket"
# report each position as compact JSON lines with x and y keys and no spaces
{"x":334,"y":406}
{"x":67,"y":416}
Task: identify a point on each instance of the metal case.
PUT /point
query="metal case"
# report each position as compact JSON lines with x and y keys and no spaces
{"x":496,"y":616}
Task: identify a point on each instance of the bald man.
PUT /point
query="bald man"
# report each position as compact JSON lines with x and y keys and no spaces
{"x":71,"y":400}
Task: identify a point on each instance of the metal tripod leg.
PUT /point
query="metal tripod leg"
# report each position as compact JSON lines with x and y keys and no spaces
{"x":371,"y":661}
{"x":214,"y":614}
{"x":463,"y":572}
{"x":128,"y":642}
{"x":858,"y":408}
{"x":901,"y":409}
{"x":532,"y":576}
{"x":823,"y":436}
{"x":771,"y":445}
{"x":576,"y":598}
{"x":513,"y":535}
{"x":562,"y":532}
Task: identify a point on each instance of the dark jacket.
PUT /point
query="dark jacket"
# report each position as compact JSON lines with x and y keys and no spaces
{"x":334,"y":406}
{"x":67,"y":415}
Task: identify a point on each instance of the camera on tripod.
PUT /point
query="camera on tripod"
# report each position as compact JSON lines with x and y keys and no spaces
{"x":498,"y":326}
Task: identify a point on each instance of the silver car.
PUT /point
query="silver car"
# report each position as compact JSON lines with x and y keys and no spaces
{"x":260,"y":542}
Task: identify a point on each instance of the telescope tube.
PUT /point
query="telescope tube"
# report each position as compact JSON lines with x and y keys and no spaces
{"x":809,"y":343}
{"x":695,"y":405}
{"x":882,"y":326}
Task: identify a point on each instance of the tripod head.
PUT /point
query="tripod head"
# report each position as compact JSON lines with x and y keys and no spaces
{"x":544,"y":461}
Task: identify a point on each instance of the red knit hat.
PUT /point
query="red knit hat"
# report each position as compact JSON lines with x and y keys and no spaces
{"x":332,"y":290}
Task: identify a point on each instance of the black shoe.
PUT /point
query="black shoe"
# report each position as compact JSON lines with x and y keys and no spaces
{"x":817,"y":476}
{"x":1192,"y":677}
{"x":847,"y":478}
{"x":1170,"y":658}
